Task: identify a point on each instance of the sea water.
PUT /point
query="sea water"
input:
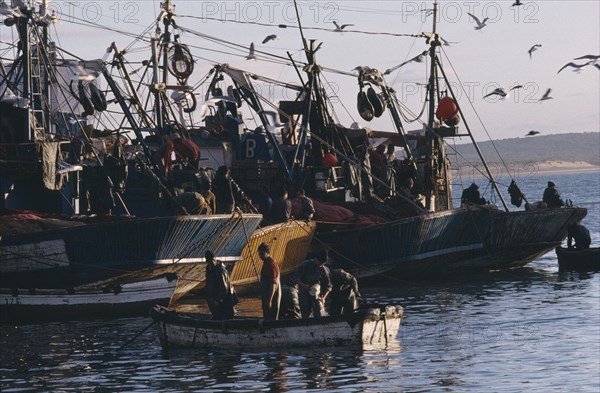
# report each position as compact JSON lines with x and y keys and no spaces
{"x":534,"y":329}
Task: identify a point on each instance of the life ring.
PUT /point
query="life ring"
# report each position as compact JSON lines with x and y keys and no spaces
{"x":181,"y":61}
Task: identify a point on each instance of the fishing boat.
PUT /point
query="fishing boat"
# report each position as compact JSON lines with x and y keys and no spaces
{"x":575,"y":259}
{"x":369,"y":325}
{"x":80,"y":204}
{"x":368,"y":224}
{"x":118,"y":298}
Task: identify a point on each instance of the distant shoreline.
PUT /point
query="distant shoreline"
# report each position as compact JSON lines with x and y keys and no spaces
{"x":532,"y":168}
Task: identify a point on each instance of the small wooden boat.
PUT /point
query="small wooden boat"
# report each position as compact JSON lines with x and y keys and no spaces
{"x":373,"y":324}
{"x":574,"y":259}
{"x":117,"y":299}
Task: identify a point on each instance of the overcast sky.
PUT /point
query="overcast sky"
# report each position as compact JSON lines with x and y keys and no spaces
{"x":495,"y":56}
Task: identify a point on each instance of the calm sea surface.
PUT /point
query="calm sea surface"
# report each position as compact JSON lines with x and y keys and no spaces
{"x":533,"y":329}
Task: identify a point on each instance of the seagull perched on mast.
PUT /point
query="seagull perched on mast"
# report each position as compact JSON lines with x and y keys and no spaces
{"x":342,"y":27}
{"x":533,"y":49}
{"x":576,"y":67}
{"x":269,"y":38}
{"x":480,"y":24}
{"x":546,"y":96}
{"x":251,"y":54}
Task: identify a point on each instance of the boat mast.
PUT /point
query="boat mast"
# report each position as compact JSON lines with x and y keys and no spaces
{"x":479,"y":153}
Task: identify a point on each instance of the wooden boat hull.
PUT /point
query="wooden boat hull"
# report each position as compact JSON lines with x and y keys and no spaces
{"x":114,"y":300}
{"x":290,"y":242}
{"x":453,"y":240}
{"x":79,"y":255}
{"x":366,"y":326}
{"x":573,"y":259}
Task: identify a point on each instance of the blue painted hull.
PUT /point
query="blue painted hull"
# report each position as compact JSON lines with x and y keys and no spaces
{"x":453,"y":240}
{"x":80,"y":255}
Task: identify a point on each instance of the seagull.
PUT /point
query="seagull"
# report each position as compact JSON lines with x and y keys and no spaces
{"x":576,"y":67}
{"x":532,"y":133}
{"x":480,"y":24}
{"x":593,"y":58}
{"x":362,"y":69}
{"x":342,"y":27}
{"x":546,"y":96}
{"x":533,"y":49}
{"x":447,"y":43}
{"x":497,"y":92}
{"x":501,"y":92}
{"x":517,"y":3}
{"x":251,"y":53}
{"x":269,"y":38}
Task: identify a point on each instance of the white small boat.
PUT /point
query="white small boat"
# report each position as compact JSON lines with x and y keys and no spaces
{"x":116,"y":299}
{"x":373,"y":324}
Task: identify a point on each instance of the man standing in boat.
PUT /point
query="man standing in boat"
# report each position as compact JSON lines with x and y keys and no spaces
{"x":227,"y":191}
{"x":282,"y":208}
{"x":581,"y":235}
{"x":314,"y":285}
{"x":307,"y":208}
{"x":219,"y":292}
{"x":270,"y":284}
{"x":552,"y":197}
{"x":344,"y":293}
{"x":471,"y":195}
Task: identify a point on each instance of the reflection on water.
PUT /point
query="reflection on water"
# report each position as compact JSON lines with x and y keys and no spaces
{"x":534,"y":329}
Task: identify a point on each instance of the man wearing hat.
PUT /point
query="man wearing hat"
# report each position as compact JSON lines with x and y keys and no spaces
{"x":270,"y":284}
{"x":471,"y":195}
{"x":552,"y":197}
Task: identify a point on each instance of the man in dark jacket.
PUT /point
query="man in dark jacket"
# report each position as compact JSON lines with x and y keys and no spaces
{"x":581,"y":235}
{"x":344,"y":293}
{"x":226,"y":190}
{"x":552,"y":197}
{"x":471,"y":195}
{"x":313,"y":279}
{"x":219,"y":292}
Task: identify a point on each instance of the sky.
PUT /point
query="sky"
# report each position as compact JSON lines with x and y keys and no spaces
{"x":495,"y":56}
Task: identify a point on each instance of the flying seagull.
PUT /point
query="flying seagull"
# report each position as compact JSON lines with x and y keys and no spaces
{"x":593,"y":58}
{"x":576,"y":67}
{"x":497,"y":92}
{"x":532,"y":133}
{"x":546,"y":96}
{"x":342,"y":27}
{"x":269,"y":38}
{"x":480,"y":24}
{"x":517,"y":3}
{"x":501,"y":92}
{"x":251,"y":53}
{"x":533,"y":49}
{"x":447,"y":43}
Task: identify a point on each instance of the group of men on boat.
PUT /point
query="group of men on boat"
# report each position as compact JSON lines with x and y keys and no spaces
{"x":316,"y":290}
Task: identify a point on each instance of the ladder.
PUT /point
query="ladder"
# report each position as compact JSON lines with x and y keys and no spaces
{"x":38,"y":101}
